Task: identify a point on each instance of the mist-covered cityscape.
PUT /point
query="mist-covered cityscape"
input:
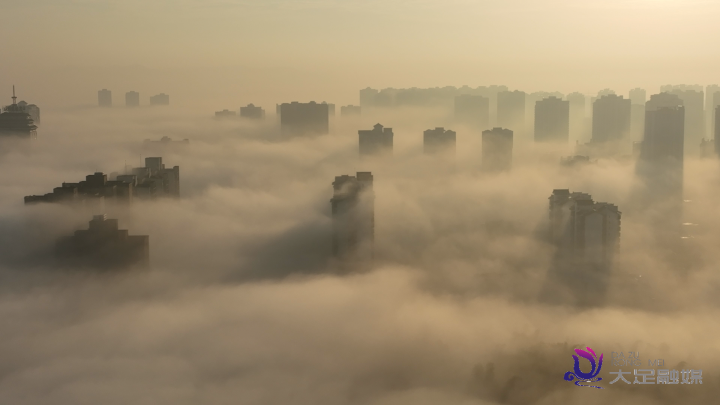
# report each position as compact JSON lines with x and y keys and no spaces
{"x":228,"y":202}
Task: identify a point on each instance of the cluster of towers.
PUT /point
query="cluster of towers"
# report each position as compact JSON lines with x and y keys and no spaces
{"x":132,"y":99}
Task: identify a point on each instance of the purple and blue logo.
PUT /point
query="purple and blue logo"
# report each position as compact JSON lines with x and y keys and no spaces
{"x":586,"y":377}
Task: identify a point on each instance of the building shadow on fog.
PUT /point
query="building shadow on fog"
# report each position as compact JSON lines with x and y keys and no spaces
{"x":302,"y":250}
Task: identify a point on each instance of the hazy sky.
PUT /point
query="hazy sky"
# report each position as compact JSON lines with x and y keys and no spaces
{"x":328,"y":49}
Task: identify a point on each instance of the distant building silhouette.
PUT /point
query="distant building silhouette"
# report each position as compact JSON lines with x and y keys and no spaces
{"x":473,"y":111}
{"x":511,"y":110}
{"x":367,"y":97}
{"x":166,"y":141}
{"x":431,"y":97}
{"x":712,"y":100}
{"x":105,"y":98}
{"x":578,"y":118}
{"x":637,"y":113}
{"x":103,"y":246}
{"x":92,"y":192}
{"x":350,"y":110}
{"x":252,"y":112}
{"x":153,"y":180}
{"x":586,"y":236}
{"x":611,"y":124}
{"x":693,"y":101}
{"x":225,"y":114}
{"x":638,"y":96}
{"x":717,"y":130}
{"x":375,"y":142}
{"x":439,"y":141}
{"x":132,"y":99}
{"x":497,"y":147}
{"x":552,"y":116}
{"x":16,"y":122}
{"x":353,"y":216}
{"x":304,"y":118}
{"x":160,"y":99}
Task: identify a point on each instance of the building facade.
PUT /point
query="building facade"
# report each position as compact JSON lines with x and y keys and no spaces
{"x":375,"y":142}
{"x":160,"y":99}
{"x":552,"y":120}
{"x":304,"y":118}
{"x":105,"y":98}
{"x":132,"y":99}
{"x":16,"y":122}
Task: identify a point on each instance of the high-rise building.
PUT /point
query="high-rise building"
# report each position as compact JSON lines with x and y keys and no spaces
{"x":330,"y":107}
{"x":552,"y":120}
{"x":660,"y":164}
{"x":132,"y":99}
{"x":350,"y":110}
{"x":103,"y":246}
{"x":15,"y":121}
{"x":367,"y":97}
{"x":717,"y":130}
{"x":586,"y":233}
{"x":160,"y":99}
{"x":439,"y":141}
{"x":375,"y":142}
{"x":638,"y":96}
{"x":353,"y":216}
{"x":511,"y":110}
{"x":712,"y":100}
{"x":694,"y":101}
{"x":304,"y":118}
{"x":497,"y":147}
{"x":637,"y":113}
{"x":105,"y":98}
{"x":252,"y":112}
{"x":473,"y":111}
{"x":611,"y":124}
{"x":578,"y":117}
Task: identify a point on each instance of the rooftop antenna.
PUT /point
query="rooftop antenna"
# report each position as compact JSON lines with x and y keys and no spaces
{"x":13,"y":97}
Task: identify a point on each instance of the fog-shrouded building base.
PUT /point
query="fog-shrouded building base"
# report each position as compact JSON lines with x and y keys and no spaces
{"x":586,"y":237}
{"x":103,"y":246}
{"x":353,"y":218}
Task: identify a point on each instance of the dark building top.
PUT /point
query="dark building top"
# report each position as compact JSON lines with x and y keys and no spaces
{"x":376,"y":141}
{"x":253,"y":112}
{"x":16,"y":122}
{"x":160,"y":99}
{"x":304,"y":118}
{"x":439,"y":140}
{"x":103,"y":245}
